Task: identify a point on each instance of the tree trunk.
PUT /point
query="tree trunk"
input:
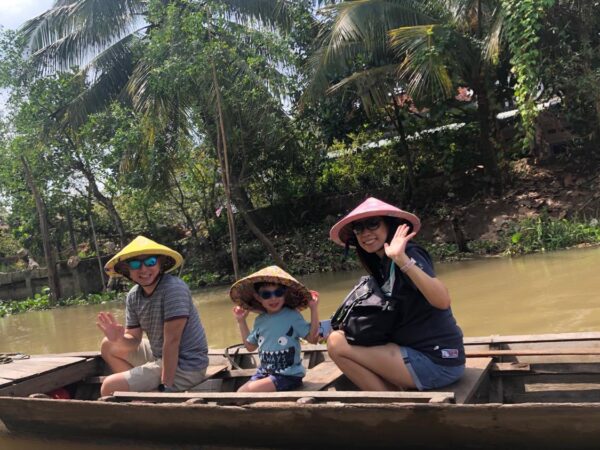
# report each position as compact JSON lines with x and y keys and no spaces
{"x":240,"y":195}
{"x":487,"y":149}
{"x":180,"y":201}
{"x":53,"y":279}
{"x":98,"y":256}
{"x":406,"y":153}
{"x":224,"y":161}
{"x":103,"y":200}
{"x":73,"y":242}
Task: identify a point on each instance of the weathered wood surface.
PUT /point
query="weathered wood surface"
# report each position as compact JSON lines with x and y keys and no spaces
{"x":416,"y":426}
{"x":533,"y":338}
{"x":533,"y":352}
{"x":476,"y":369}
{"x":243,"y":398}
{"x":321,"y":376}
{"x":44,"y":374}
{"x":26,"y":368}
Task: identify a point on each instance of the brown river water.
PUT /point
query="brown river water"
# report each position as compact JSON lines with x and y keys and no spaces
{"x":543,"y":293}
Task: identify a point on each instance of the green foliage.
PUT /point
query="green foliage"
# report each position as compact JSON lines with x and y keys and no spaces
{"x":368,"y":162}
{"x":545,"y":233}
{"x":42,"y":302}
{"x":524,"y":22}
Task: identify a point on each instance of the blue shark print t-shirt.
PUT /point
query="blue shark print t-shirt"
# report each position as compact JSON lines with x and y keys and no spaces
{"x":278,"y":338}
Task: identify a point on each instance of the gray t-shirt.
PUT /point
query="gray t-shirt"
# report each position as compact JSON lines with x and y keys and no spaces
{"x":170,"y":300}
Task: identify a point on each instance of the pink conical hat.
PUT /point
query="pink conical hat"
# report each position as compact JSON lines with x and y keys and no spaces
{"x":371,"y":207}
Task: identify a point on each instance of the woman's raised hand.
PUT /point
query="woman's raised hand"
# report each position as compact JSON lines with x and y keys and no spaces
{"x":396,"y":249}
{"x":110,"y":327}
{"x":240,"y":313}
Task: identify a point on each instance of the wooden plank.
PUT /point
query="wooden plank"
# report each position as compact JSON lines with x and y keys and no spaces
{"x":475,"y":372}
{"x":565,"y":396}
{"x":510,"y":367}
{"x":320,"y":376}
{"x":237,"y":373}
{"x":215,"y":369}
{"x":27,"y":368}
{"x":209,"y":385}
{"x":54,"y":379}
{"x":532,"y":352}
{"x":85,"y":354}
{"x":240,"y":398}
{"x":534,"y":338}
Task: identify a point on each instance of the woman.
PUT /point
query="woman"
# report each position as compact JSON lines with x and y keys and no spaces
{"x":426,"y":350}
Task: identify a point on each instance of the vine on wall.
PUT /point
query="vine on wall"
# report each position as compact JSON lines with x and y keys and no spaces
{"x":523,"y":23}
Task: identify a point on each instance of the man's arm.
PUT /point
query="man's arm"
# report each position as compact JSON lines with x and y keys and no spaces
{"x":172,"y":330}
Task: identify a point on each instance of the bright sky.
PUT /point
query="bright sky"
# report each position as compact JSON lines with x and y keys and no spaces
{"x":13,"y":13}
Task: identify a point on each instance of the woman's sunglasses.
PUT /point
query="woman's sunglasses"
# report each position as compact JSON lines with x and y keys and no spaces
{"x":370,"y":224}
{"x":135,"y":264}
{"x":266,"y":295}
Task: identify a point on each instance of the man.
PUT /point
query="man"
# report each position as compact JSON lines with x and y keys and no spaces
{"x":174,"y":356}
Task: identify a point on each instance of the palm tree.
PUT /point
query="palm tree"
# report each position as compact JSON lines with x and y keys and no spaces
{"x":105,"y":37}
{"x":424,"y":47}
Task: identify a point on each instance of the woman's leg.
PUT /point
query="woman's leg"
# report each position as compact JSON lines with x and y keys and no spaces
{"x":378,"y":368}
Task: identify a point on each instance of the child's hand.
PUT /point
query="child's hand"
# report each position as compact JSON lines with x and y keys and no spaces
{"x":314,"y":302}
{"x":240,"y":313}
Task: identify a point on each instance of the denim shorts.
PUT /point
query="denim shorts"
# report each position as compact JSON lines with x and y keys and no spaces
{"x":281,"y":382}
{"x":425,"y":373}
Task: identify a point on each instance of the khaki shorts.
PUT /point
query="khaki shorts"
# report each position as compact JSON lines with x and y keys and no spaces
{"x":146,"y":373}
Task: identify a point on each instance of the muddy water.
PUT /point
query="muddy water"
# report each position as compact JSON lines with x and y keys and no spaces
{"x":554,"y":292}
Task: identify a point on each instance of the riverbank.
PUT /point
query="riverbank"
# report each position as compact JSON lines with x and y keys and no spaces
{"x":541,"y":209}
{"x":42,"y":302}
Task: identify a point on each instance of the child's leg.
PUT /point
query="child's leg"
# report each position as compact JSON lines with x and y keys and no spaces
{"x":377,"y":368}
{"x":261,"y":385}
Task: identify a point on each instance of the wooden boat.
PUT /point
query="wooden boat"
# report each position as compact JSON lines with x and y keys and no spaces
{"x":518,"y":392}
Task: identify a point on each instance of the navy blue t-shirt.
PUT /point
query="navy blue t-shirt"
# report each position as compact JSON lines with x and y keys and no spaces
{"x":421,"y":326}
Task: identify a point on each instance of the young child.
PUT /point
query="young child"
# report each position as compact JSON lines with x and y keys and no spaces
{"x":276,"y":296}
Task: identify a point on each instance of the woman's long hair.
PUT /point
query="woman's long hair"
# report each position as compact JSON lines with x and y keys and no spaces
{"x":370,"y":261}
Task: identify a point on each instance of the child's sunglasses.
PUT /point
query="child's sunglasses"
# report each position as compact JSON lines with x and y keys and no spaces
{"x":370,"y":224}
{"x":266,"y":295}
{"x":135,"y":264}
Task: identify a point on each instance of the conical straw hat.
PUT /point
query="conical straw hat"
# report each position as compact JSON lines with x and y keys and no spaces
{"x":143,"y":246}
{"x":242,"y":291}
{"x":371,"y":207}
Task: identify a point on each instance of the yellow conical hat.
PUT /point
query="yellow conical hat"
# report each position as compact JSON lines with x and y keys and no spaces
{"x":242,"y":292}
{"x":143,"y":246}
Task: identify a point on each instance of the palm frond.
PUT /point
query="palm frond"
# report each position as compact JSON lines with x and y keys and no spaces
{"x":423,"y":66}
{"x":73,"y":31}
{"x":109,"y":72}
{"x":275,"y":14}
{"x":494,"y":39}
{"x":374,"y":86}
{"x":370,"y":20}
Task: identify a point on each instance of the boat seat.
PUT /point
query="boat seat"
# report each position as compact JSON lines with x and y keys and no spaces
{"x":320,"y":376}
{"x":476,"y":370}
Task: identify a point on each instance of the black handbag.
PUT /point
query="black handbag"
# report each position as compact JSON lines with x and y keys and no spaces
{"x":367,"y":316}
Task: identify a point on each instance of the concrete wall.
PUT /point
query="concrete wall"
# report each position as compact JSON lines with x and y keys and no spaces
{"x":84,"y":279}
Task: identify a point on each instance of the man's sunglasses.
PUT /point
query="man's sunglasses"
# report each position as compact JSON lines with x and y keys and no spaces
{"x":136,"y":264}
{"x":266,"y":295}
{"x":370,"y":224}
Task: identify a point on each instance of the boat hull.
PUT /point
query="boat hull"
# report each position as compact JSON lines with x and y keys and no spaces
{"x":291,"y":425}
